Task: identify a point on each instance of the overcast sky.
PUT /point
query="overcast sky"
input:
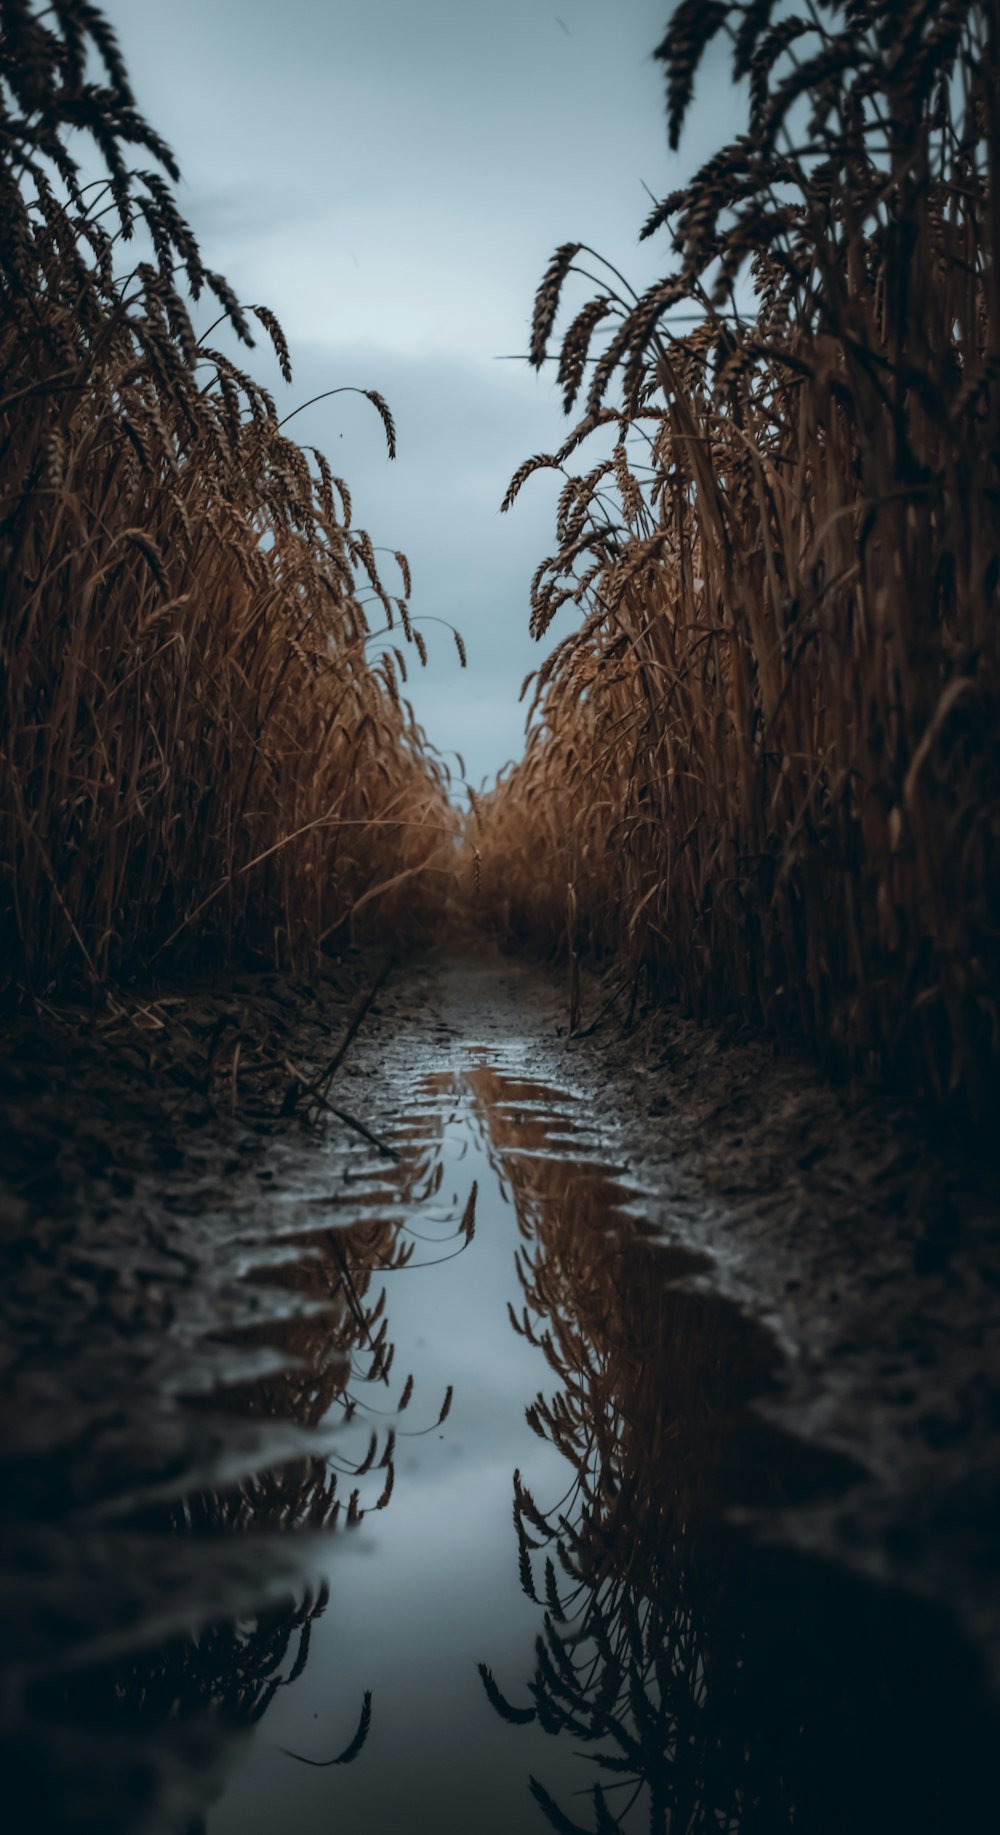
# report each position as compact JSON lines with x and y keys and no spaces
{"x":392,"y":178}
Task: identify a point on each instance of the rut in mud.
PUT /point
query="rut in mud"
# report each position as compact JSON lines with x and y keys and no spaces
{"x":454,"y":1331}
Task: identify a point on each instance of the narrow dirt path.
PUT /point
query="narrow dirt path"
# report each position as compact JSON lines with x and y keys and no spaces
{"x":747,"y":1326}
{"x":868,"y":1254}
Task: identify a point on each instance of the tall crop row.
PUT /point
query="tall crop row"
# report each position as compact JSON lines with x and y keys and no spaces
{"x":199,"y":744}
{"x":766,"y":767}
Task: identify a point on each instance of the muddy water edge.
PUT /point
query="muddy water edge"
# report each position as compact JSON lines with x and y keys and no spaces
{"x":540,"y":1441}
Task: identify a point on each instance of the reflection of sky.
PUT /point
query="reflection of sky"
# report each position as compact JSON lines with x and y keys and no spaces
{"x":434,"y":1587}
{"x":392,"y":179}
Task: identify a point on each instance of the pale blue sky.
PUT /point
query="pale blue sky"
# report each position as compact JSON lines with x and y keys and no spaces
{"x":392,"y":179}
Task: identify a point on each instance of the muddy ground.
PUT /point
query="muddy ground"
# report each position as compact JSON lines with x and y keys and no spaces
{"x":868,"y":1244}
{"x":152,"y":1153}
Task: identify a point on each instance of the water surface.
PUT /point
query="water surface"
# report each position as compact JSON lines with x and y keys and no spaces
{"x":527,"y":1605}
{"x":555,"y":1623}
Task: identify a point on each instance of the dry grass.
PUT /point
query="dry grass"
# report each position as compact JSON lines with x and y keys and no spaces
{"x":766,"y":767}
{"x":201,"y":746}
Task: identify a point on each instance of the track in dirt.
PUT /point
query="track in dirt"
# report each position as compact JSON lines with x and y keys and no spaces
{"x":528,"y":1239}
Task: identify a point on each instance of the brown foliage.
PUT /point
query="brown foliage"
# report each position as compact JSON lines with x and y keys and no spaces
{"x":767,"y":767}
{"x":195,"y":740}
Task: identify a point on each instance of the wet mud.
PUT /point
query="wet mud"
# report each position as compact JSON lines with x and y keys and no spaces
{"x":417,"y":1448}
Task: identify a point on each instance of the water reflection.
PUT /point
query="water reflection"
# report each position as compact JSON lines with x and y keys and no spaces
{"x":209,"y":1592}
{"x":704,"y":1683}
{"x":642,"y":1665}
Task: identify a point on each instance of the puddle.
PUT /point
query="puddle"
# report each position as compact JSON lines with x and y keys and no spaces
{"x":528,"y":1425}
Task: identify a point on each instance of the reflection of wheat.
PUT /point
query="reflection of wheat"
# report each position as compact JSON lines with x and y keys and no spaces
{"x":641,"y":1655}
{"x":335,"y":1351}
{"x":228,"y":1676}
{"x":350,"y":1752}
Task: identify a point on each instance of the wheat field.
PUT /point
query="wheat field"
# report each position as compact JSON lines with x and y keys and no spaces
{"x":765,"y":770}
{"x":205,"y":741}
